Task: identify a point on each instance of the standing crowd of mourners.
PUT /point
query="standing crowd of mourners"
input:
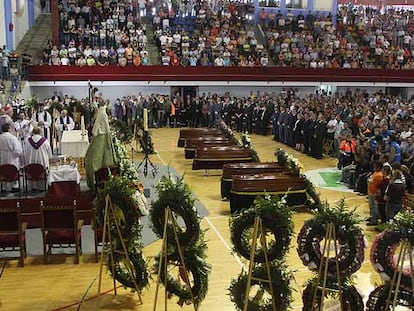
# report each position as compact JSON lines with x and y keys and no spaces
{"x":371,"y":135}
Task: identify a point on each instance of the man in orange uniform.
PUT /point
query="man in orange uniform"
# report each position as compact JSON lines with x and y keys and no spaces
{"x":374,"y":184}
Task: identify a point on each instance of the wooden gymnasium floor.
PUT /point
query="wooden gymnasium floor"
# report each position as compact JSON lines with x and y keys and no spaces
{"x":61,"y":284}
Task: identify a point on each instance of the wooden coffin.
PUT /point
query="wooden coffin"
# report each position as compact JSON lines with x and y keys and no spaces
{"x":192,"y":144}
{"x":215,"y":157}
{"x":195,"y":132}
{"x":246,"y":187}
{"x":252,"y":168}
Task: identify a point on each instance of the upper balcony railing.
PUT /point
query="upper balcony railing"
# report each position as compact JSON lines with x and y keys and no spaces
{"x":200,"y":73}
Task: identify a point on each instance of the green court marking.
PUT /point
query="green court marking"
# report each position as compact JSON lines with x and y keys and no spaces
{"x":331,"y":178}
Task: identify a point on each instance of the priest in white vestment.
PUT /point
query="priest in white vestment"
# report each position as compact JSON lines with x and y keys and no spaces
{"x":23,"y":126}
{"x":42,"y":119}
{"x":10,"y":151}
{"x":37,"y":150}
{"x":63,"y":123}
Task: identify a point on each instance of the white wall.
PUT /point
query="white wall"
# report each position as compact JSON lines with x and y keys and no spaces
{"x":37,"y":9}
{"x":20,"y":21}
{"x":109,"y":92}
{"x":2,"y":25}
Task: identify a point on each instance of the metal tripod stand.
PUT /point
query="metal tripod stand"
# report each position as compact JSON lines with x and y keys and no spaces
{"x":146,"y":161}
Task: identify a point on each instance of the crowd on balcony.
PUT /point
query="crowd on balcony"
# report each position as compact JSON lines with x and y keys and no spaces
{"x":213,"y":36}
{"x":363,"y":38}
{"x":99,"y":33}
{"x":194,"y":33}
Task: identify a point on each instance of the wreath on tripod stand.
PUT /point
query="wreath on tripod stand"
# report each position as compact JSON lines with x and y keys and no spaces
{"x":176,"y":195}
{"x":349,"y":238}
{"x":276,"y":220}
{"x":127,"y":210}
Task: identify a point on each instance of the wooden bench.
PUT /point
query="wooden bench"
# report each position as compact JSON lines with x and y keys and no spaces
{"x":192,"y":144}
{"x":195,"y":132}
{"x":245,"y":188}
{"x":215,"y":157}
{"x":253,"y":168}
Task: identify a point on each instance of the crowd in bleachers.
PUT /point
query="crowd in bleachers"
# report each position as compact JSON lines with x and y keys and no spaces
{"x":362,"y":38}
{"x":192,"y":33}
{"x":223,"y":35}
{"x":99,"y":33}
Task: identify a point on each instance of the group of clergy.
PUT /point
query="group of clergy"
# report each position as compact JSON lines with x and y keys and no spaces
{"x":27,"y":141}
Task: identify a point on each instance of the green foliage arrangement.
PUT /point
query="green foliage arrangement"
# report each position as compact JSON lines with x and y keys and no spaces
{"x":296,"y":168}
{"x":175,"y":194}
{"x":127,"y":210}
{"x":349,"y":237}
{"x":277,"y":221}
{"x":281,"y":277}
{"x":246,"y":142}
{"x":276,"y":218}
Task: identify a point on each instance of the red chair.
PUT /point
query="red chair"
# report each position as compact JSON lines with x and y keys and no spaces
{"x":64,"y":189}
{"x":60,"y":227}
{"x":102,"y":175}
{"x":9,"y":173}
{"x":12,"y":231}
{"x":35,"y":172}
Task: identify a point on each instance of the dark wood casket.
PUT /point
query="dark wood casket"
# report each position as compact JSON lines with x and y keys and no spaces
{"x":195,"y":132}
{"x":245,"y":188}
{"x":192,"y":144}
{"x":253,"y":168}
{"x":215,"y":157}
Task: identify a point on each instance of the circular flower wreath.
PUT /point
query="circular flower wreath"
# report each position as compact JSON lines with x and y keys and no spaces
{"x":349,"y":239}
{"x":383,"y":256}
{"x":276,"y":220}
{"x":127,"y":210}
{"x":384,"y":248}
{"x":197,"y":269}
{"x":176,"y":195}
{"x":121,"y":272}
{"x":351,"y":299}
{"x":280,"y":276}
{"x":377,"y":300}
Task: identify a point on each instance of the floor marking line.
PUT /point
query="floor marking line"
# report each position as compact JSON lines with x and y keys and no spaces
{"x":225,"y":244}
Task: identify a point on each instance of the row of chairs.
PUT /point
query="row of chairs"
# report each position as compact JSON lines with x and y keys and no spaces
{"x":32,"y":172}
{"x":60,"y":228}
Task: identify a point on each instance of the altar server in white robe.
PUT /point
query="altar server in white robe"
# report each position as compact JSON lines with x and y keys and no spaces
{"x":37,"y":150}
{"x":23,"y":126}
{"x":10,"y":151}
{"x":42,"y":119}
{"x":63,"y":123}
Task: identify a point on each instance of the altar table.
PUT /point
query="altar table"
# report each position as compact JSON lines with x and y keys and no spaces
{"x":74,"y":144}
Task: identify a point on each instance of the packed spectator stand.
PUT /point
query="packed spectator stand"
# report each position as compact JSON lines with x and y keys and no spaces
{"x":195,"y":33}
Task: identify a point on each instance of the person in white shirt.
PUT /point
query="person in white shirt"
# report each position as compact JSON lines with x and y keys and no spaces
{"x":37,"y":150}
{"x":63,"y":123}
{"x":10,"y":152}
{"x":23,"y":126}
